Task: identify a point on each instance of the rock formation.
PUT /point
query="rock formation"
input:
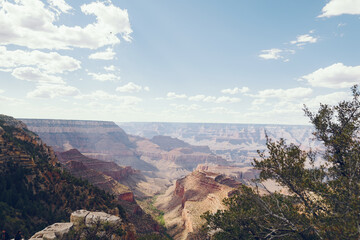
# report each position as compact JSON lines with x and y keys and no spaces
{"x":97,"y":139}
{"x":32,"y":184}
{"x":80,"y":219}
{"x":36,"y":191}
{"x":234,"y":142}
{"x":55,"y":231}
{"x":174,"y":154}
{"x":190,"y":197}
{"x":108,"y":168}
{"x":104,"y":175}
{"x":239,"y":173}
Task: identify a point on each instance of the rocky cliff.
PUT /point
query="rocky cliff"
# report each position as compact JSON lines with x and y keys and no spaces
{"x":174,"y":154}
{"x":34,"y":190}
{"x":97,"y":139}
{"x":88,"y":225}
{"x":234,"y":142}
{"x":95,"y":171}
{"x":190,"y":197}
{"x":108,"y":168}
{"x":243,"y":174}
{"x":167,"y":143}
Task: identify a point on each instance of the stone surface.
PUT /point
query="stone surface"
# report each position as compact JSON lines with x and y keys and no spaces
{"x":102,"y":140}
{"x":57,"y":230}
{"x":190,"y":197}
{"x":99,"y":173}
{"x":78,"y":217}
{"x":52,"y":232}
{"x":234,"y":142}
{"x":94,"y":217}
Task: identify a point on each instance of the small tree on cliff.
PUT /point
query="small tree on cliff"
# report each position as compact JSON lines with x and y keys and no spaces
{"x":324,"y":202}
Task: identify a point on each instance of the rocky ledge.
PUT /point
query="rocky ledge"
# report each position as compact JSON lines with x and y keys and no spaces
{"x":78,"y":220}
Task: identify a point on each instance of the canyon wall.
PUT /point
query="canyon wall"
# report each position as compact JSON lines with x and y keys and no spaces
{"x":97,"y":139}
{"x":98,"y":173}
{"x":235,"y":142}
{"x":190,"y":197}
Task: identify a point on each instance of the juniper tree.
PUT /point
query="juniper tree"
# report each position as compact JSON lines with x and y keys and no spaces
{"x":323,"y":201}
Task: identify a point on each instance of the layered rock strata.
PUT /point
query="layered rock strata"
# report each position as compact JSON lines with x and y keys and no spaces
{"x":190,"y":197}
{"x":97,"y":139}
{"x":234,"y":142}
{"x":181,"y":156}
{"x":99,"y":173}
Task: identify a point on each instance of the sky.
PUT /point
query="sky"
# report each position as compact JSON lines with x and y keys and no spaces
{"x":234,"y":61}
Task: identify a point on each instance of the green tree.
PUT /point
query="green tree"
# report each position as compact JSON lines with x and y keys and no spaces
{"x":324,"y":201}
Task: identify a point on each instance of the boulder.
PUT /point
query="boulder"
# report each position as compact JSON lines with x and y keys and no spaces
{"x":52,"y":232}
{"x":78,"y":217}
{"x":94,"y":217}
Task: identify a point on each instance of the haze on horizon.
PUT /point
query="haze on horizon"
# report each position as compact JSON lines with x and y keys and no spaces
{"x":242,"y":61}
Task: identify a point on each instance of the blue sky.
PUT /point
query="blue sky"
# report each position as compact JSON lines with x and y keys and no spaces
{"x":254,"y":61}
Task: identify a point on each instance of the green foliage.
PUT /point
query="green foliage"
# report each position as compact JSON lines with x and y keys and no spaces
{"x":324,"y":200}
{"x":147,"y":205}
{"x":153,"y":236}
{"x":32,"y":198}
{"x":98,"y":231}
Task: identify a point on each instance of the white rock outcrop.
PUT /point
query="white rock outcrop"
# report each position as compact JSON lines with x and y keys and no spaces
{"x":52,"y":232}
{"x":94,"y":217}
{"x":79,"y":217}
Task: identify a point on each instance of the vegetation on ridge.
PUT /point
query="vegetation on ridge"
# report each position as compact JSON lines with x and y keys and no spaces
{"x":324,"y":199}
{"x":33,"y":196}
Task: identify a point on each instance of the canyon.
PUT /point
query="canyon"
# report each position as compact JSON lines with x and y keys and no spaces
{"x":37,"y":191}
{"x":192,"y":196}
{"x":189,"y":168}
{"x":104,"y":175}
{"x":237,"y":143}
{"x":97,"y":139}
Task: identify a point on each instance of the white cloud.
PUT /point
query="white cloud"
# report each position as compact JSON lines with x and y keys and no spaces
{"x":110,"y":68}
{"x":222,"y":110}
{"x":51,"y":62}
{"x":52,"y":91}
{"x":130,"y":88}
{"x":226,"y":99}
{"x":172,"y":95}
{"x":186,"y":108}
{"x":339,"y":7}
{"x":304,"y":39}
{"x":335,"y":76}
{"x":31,"y":24}
{"x":331,"y":99}
{"x":35,"y":75}
{"x":7,"y":101}
{"x":212,"y":99}
{"x":61,"y":5}
{"x":104,"y":76}
{"x":47,"y":86}
{"x":276,"y":54}
{"x":1,"y":91}
{"x":290,"y":93}
{"x":273,"y":53}
{"x":198,"y":97}
{"x":235,"y":90}
{"x":108,"y":54}
{"x":209,"y":99}
{"x":259,"y":101}
{"x":100,"y":95}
